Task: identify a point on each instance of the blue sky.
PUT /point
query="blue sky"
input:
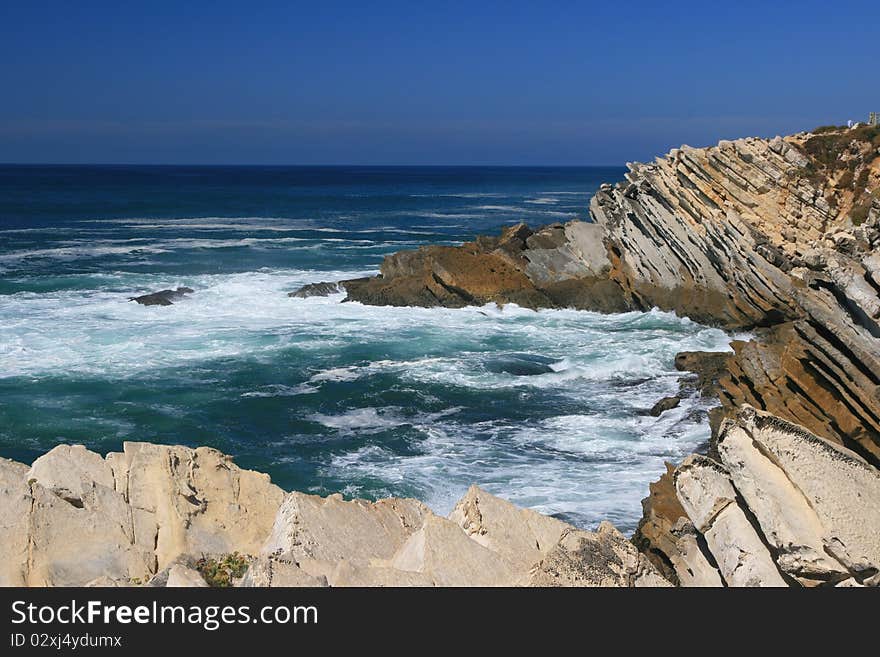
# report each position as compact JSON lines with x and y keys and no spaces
{"x":422,"y":83}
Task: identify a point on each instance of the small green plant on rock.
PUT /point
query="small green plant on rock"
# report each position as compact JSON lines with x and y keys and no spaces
{"x":222,"y":571}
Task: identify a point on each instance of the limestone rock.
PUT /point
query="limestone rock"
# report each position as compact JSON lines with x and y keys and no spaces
{"x":69,"y":470}
{"x":72,"y":545}
{"x":266,"y":572}
{"x":521,"y":536}
{"x":137,"y":517}
{"x":180,"y":576}
{"x":15,"y":507}
{"x":604,"y":558}
{"x":690,"y":561}
{"x":661,"y":511}
{"x":198,"y":499}
{"x":786,"y":518}
{"x":317,"y":532}
{"x":839,"y":510}
{"x":443,"y":553}
{"x":349,"y":574}
{"x":710,"y":501}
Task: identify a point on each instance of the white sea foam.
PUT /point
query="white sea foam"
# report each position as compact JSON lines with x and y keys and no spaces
{"x":589,"y":462}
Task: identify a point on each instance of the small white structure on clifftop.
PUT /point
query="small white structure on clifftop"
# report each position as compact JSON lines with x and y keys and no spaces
{"x":874,"y":118}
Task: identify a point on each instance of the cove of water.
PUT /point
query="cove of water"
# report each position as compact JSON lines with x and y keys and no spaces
{"x":544,"y":408}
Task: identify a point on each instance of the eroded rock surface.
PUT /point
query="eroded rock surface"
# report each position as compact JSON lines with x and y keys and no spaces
{"x":556,"y":266}
{"x":781,"y":507}
{"x":147,"y":514}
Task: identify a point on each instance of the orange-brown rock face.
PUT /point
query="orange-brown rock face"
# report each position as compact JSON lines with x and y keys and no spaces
{"x":557,"y":266}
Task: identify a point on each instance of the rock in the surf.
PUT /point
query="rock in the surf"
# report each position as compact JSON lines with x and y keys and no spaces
{"x":162,"y":297}
{"x":665,"y":404}
{"x":322,"y":289}
{"x":521,"y":364}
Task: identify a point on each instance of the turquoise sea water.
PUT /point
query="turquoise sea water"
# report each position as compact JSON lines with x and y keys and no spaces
{"x":325,"y":396}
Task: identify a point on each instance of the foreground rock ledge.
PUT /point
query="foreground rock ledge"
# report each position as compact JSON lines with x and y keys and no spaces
{"x":146,"y":515}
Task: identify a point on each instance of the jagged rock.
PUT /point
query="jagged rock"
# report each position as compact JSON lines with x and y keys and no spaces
{"x":136,"y":517}
{"x":556,"y":265}
{"x":604,"y":558}
{"x":73,"y":545}
{"x":838,"y":486}
{"x":69,"y":471}
{"x":162,"y":297}
{"x":708,"y":366}
{"x":665,"y":404}
{"x":180,"y":576}
{"x":317,"y":532}
{"x":195,"y":500}
{"x":689,"y":559}
{"x":15,"y":508}
{"x":443,"y":553}
{"x":520,"y":536}
{"x":709,"y":498}
{"x":544,"y":551}
{"x":348,"y":574}
{"x":661,"y":512}
{"x":784,"y":514}
{"x":317,"y":290}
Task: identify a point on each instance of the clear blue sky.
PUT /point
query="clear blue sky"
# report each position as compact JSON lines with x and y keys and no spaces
{"x":422,"y":83}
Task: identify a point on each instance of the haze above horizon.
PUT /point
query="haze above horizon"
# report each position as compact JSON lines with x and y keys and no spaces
{"x":397,"y":84}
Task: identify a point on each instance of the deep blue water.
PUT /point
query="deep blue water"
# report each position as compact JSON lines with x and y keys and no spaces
{"x":322,"y":395}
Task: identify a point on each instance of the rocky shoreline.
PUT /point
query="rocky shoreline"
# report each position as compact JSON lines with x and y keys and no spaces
{"x":161,"y":515}
{"x":780,"y":238}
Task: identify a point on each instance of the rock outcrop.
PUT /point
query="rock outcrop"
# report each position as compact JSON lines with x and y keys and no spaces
{"x":322,"y":289}
{"x":757,"y":234}
{"x":159,"y":514}
{"x":557,"y":266}
{"x":781,"y":507}
{"x":162,"y":297}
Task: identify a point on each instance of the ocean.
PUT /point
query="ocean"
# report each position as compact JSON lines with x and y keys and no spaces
{"x":326,"y":396}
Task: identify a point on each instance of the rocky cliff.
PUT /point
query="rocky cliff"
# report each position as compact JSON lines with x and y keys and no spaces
{"x":777,"y":237}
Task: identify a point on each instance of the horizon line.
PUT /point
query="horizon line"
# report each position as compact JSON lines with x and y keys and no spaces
{"x":227,"y":164}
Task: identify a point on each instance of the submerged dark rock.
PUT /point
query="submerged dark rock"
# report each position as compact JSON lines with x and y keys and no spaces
{"x":665,"y":404}
{"x":521,"y":365}
{"x":323,"y":289}
{"x":162,"y":297}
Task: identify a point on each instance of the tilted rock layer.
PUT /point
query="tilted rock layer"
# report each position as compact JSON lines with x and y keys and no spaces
{"x":147,"y":514}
